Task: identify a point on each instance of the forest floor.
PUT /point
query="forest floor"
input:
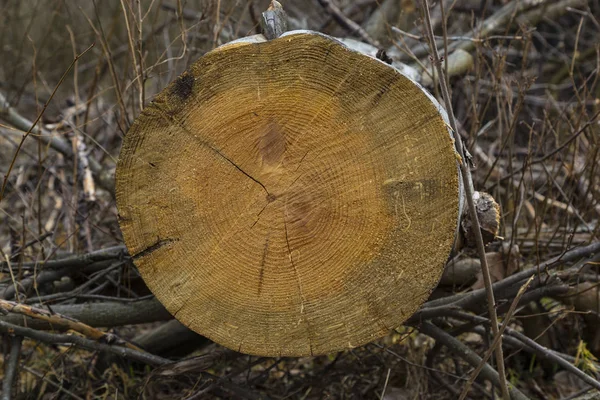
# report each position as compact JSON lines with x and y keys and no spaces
{"x":526,"y":96}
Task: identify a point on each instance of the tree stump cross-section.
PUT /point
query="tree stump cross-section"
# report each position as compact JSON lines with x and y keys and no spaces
{"x":290,"y":197}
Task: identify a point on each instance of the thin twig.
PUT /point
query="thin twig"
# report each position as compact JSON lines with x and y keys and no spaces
{"x":497,"y":21}
{"x":77,"y":261}
{"x":346,"y":23}
{"x":2,"y":106}
{"x":10,"y":368}
{"x":557,"y":150}
{"x":43,"y":377}
{"x":476,"y":296}
{"x":136,"y":68}
{"x":387,"y":379}
{"x":461,"y":350}
{"x":75,"y":292}
{"x":469,"y":38}
{"x":11,"y":115}
{"x":64,"y":322}
{"x":534,"y":347}
{"x":488,"y":352}
{"x":103,"y":314}
{"x":55,"y":338}
{"x":468,"y":184}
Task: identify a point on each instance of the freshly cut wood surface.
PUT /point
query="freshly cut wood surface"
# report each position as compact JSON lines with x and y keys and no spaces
{"x":290,"y":197}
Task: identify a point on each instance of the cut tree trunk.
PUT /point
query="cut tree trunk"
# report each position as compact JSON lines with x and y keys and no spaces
{"x":290,"y":197}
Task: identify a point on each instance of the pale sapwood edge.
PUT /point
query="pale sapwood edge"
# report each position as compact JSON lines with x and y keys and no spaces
{"x":459,"y":62}
{"x":535,"y":11}
{"x":104,"y":176}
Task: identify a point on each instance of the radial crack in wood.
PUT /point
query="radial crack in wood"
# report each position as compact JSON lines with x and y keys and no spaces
{"x":348,"y":217}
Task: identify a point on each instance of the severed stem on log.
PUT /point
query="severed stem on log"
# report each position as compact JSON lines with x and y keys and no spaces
{"x":274,"y":21}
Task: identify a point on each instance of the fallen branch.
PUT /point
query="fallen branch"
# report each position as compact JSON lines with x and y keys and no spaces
{"x":55,"y":269}
{"x":10,"y":368}
{"x":54,"y":338}
{"x":197,"y":365}
{"x":462,"y":351}
{"x":9,"y":114}
{"x":24,"y":285}
{"x":105,"y":314}
{"x":533,"y":347}
{"x":171,"y":338}
{"x":5,"y":109}
{"x":346,"y":23}
{"x":496,"y":341}
{"x":63,"y":322}
{"x":477,"y":296}
{"x":78,"y":291}
{"x":78,"y":261}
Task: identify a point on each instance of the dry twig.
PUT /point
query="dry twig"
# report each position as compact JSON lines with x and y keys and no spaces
{"x":468,"y":184}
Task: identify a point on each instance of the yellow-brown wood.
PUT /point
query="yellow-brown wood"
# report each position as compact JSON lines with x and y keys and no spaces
{"x":290,"y":197}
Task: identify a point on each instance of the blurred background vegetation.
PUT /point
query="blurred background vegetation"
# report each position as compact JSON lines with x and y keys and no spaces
{"x":527,"y":99}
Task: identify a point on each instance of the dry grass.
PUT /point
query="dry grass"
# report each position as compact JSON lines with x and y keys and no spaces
{"x":528,"y":110}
